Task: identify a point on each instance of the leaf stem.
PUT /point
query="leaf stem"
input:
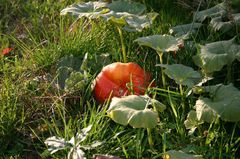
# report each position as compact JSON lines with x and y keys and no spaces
{"x":160,"y":54}
{"x":124,"y":54}
{"x":150,"y":140}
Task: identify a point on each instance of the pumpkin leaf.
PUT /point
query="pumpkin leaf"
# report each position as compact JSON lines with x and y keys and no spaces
{"x":218,"y":23}
{"x":127,"y":6}
{"x":218,"y":10}
{"x":183,"y":75}
{"x":130,"y":22}
{"x":133,"y":110}
{"x":185,"y":30}
{"x":116,"y":17}
{"x":138,"y":23}
{"x":192,"y":121}
{"x":204,"y":112}
{"x":173,"y":154}
{"x":89,"y":10}
{"x":214,"y":56}
{"x":160,"y":43}
{"x":157,"y":105}
{"x":224,"y":100}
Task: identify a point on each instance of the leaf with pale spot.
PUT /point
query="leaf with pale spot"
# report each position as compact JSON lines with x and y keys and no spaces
{"x":204,"y":112}
{"x":192,"y":121}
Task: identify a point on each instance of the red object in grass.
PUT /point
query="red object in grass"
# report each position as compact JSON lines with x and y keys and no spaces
{"x":7,"y":51}
{"x":120,"y":79}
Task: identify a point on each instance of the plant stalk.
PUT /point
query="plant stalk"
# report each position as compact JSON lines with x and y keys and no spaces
{"x":182,"y":96}
{"x":124,"y":54}
{"x":150,"y":140}
{"x":160,"y":54}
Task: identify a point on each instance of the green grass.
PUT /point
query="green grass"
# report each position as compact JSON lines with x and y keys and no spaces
{"x":32,"y":109}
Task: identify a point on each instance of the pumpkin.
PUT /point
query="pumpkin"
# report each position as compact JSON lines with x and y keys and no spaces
{"x":120,"y":79}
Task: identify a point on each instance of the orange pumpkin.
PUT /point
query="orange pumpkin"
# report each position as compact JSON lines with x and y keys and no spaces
{"x":120,"y":79}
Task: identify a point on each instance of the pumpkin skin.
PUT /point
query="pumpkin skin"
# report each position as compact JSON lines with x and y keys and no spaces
{"x":120,"y":79}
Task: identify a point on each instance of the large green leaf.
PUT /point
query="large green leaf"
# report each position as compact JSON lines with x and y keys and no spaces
{"x":134,"y":110}
{"x":138,"y":23}
{"x":124,"y":13}
{"x":130,"y":22}
{"x":224,"y":100}
{"x":173,"y":154}
{"x":214,"y":56}
{"x":183,"y":75}
{"x":127,"y":6}
{"x":218,"y":10}
{"x":185,"y":29}
{"x":116,"y":17}
{"x":204,"y":112}
{"x":89,"y":10}
{"x":160,"y":43}
{"x":218,"y":23}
